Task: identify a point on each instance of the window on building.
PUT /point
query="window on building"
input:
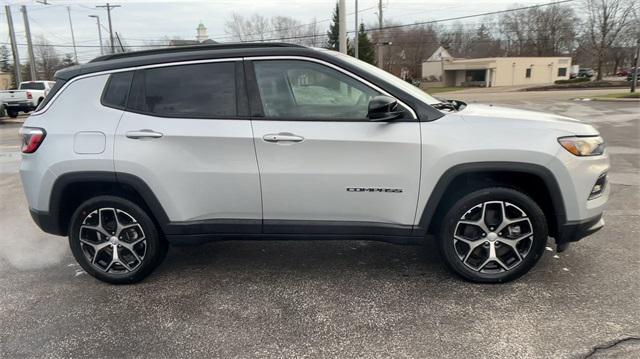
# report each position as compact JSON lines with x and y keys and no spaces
{"x":528,"y":74}
{"x":562,"y":71}
{"x":196,"y":91}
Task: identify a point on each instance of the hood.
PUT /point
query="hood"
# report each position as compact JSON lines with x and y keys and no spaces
{"x":525,"y":118}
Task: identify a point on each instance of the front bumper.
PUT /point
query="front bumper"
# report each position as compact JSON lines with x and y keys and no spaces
{"x":574,"y":231}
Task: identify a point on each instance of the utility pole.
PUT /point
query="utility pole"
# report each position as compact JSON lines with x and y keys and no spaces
{"x":355,"y":38}
{"x":380,"y":15}
{"x":380,"y":42}
{"x":634,"y":76}
{"x":342,"y":26}
{"x":109,"y":7}
{"x":14,"y":46}
{"x":73,"y":38}
{"x":99,"y":33}
{"x":27,"y":31}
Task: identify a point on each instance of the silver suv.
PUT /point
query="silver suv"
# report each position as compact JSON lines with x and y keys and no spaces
{"x":133,"y":151}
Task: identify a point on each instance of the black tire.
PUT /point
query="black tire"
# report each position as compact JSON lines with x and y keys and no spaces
{"x":452,"y":250}
{"x":152,"y":249}
{"x":12,"y":114}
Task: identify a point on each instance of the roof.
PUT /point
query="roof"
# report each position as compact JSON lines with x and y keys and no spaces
{"x":182,"y":53}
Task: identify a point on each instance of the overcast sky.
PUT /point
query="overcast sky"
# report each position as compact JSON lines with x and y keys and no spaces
{"x":138,"y":20}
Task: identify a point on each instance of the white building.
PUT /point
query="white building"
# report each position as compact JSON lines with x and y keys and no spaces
{"x":443,"y":69}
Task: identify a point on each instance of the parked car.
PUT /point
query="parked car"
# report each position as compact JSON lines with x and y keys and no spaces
{"x":267,"y":140}
{"x":623,"y":72}
{"x":586,"y":72}
{"x":26,"y":98}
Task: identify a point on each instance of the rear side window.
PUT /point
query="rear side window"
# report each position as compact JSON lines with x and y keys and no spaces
{"x":196,"y":91}
{"x":117,"y":90}
{"x":56,"y":87}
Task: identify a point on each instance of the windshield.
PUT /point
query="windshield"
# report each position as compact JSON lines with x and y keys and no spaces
{"x":32,"y":86}
{"x":396,"y":81}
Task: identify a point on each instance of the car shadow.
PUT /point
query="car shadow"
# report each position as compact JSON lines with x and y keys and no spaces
{"x":304,"y":258}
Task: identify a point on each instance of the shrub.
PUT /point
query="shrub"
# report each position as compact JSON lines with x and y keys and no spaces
{"x":572,"y":81}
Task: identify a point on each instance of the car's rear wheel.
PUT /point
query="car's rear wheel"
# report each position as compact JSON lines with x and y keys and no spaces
{"x":115,"y":240}
{"x":12,"y":114}
{"x":493,"y":235}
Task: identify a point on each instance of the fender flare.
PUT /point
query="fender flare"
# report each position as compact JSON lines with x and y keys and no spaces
{"x":449,"y":175}
{"x":138,"y":185}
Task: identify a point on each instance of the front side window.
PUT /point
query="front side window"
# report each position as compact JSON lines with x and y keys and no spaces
{"x":293,"y":89}
{"x":197,"y":91}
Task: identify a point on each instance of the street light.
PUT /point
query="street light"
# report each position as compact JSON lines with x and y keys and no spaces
{"x":99,"y":32}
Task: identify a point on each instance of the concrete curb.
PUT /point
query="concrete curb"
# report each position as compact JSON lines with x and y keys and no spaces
{"x":607,"y":99}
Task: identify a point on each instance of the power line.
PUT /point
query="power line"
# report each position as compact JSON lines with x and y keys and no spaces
{"x":219,"y":37}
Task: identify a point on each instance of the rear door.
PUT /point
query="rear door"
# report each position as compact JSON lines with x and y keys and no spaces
{"x":186,"y":134}
{"x":324,"y":166}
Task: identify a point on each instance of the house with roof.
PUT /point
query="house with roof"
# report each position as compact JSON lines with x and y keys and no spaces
{"x":202,"y":38}
{"x":445,"y":70}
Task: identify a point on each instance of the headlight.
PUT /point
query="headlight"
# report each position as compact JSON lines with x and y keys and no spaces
{"x":583,"y":146}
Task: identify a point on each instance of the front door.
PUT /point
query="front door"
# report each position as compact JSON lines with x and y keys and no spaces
{"x":324,"y":167}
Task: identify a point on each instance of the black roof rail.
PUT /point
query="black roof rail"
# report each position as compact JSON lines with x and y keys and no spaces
{"x":178,"y":49}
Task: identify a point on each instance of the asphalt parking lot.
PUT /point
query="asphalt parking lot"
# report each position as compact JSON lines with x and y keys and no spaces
{"x":333,"y":298}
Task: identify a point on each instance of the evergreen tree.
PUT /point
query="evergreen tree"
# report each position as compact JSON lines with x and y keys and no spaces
{"x":333,"y":41}
{"x":25,"y":72}
{"x":333,"y":35}
{"x":366,"y":51}
{"x":67,"y":60}
{"x":5,"y":62}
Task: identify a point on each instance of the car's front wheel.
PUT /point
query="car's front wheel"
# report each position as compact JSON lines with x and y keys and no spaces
{"x":115,"y":240}
{"x":493,"y":235}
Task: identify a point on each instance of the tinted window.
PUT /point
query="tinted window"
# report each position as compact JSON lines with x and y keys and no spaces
{"x":115,"y":95}
{"x":307,"y":90}
{"x":32,"y":86}
{"x":202,"y":90}
{"x":562,"y":71}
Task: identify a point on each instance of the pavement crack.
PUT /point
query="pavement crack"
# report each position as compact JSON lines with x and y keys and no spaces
{"x":609,"y":345}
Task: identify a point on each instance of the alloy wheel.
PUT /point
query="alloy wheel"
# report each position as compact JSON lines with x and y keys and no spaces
{"x":112,"y":241}
{"x":493,"y":237}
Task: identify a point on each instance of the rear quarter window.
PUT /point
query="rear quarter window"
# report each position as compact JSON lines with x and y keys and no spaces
{"x":116,"y":91}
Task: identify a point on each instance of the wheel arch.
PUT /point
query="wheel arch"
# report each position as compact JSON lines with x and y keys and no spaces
{"x":535,"y":180}
{"x":71,"y":189}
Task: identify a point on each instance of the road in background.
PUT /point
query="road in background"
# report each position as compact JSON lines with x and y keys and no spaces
{"x":333,"y":298}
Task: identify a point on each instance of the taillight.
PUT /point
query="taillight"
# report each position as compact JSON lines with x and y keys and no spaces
{"x":29,"y":95}
{"x":32,"y":137}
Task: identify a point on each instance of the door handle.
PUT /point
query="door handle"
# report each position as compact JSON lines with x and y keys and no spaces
{"x":143,"y":134}
{"x":282,"y":137}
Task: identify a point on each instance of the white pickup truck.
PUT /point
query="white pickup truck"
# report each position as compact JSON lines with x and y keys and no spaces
{"x":26,"y":98}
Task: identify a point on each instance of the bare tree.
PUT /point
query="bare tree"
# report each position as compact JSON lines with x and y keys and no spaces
{"x":547,"y":31}
{"x":278,"y":28}
{"x":606,"y":21}
{"x":47,"y":59}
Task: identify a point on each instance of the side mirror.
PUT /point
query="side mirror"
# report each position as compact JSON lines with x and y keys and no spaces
{"x":384,"y":108}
